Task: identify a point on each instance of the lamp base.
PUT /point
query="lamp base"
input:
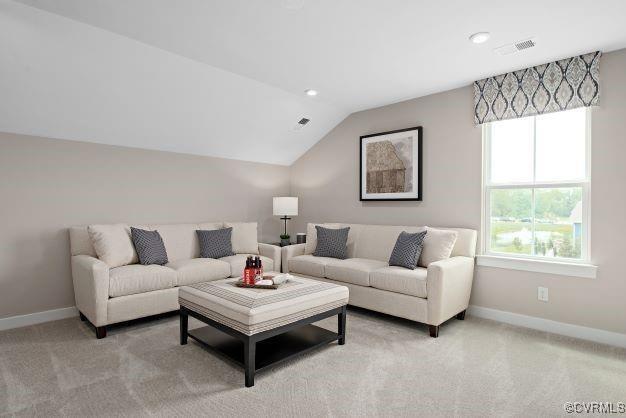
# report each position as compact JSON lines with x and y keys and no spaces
{"x":285,"y":218}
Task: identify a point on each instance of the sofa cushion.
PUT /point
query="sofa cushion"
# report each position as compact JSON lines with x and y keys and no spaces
{"x":135,"y":278}
{"x":80,"y":243}
{"x":465,"y":245}
{"x":244,"y":237}
{"x":438,"y":245}
{"x":197,"y":270}
{"x":215,"y":243}
{"x":353,"y":234}
{"x":180,"y":240}
{"x":376,"y":242}
{"x":400,"y":280}
{"x":309,"y":265}
{"x":352,"y":270}
{"x":207,"y":226}
{"x":112,"y":244}
{"x":149,"y":246}
{"x":332,"y":242}
{"x":407,"y":250}
{"x":311,"y":236}
{"x":237,"y":263}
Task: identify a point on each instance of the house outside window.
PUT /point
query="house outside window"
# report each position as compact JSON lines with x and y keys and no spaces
{"x":536,"y":179}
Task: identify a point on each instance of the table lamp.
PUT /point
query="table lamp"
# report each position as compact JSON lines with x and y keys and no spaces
{"x":285,"y":207}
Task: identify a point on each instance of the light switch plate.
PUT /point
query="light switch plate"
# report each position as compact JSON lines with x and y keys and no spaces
{"x":542,"y":294}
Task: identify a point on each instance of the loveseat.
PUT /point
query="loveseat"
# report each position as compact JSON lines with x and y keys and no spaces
{"x":110,"y":293}
{"x":431,"y":294}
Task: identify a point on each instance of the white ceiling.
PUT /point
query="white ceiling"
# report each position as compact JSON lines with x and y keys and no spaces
{"x":68,"y":80}
{"x":227,"y":77}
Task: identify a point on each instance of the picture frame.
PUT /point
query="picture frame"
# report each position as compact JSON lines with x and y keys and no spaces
{"x":390,"y":165}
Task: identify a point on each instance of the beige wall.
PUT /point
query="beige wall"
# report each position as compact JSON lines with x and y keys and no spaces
{"x":326,"y":179}
{"x":47,"y":185}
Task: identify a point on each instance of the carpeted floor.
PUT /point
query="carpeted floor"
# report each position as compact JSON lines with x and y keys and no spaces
{"x":388,"y":367}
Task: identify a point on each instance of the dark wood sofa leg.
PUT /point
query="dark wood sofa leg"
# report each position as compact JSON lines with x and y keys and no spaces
{"x":460,"y":316}
{"x":82,"y":317}
{"x":101,"y":332}
{"x":434,"y":330}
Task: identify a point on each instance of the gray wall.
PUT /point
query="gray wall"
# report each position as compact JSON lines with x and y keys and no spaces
{"x":326,"y":179}
{"x":47,"y":185}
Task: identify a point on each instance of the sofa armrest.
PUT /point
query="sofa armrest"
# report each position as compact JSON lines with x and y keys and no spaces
{"x":271,"y":251}
{"x":291,"y":251}
{"x":91,"y":288}
{"x":448,"y":284}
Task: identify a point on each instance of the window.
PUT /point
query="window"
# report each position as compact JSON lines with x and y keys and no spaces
{"x":536,"y":186}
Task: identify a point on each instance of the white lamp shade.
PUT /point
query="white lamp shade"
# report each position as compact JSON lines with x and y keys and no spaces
{"x":285,"y":206}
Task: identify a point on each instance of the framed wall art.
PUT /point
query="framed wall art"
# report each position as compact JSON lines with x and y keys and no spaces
{"x":391,"y":165}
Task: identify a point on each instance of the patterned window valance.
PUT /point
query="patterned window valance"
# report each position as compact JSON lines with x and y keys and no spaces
{"x":560,"y":85}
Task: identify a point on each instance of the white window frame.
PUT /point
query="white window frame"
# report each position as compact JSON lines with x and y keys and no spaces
{"x":555,"y":265}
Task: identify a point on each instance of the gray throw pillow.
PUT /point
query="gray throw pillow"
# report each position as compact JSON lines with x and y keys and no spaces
{"x":332,"y":242}
{"x":149,"y":246}
{"x":215,"y":243}
{"x":407,"y":250}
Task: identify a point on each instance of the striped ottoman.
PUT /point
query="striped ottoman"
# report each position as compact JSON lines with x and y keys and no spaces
{"x":258,"y":328}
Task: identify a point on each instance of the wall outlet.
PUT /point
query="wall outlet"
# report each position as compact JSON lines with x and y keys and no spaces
{"x":542,"y":294}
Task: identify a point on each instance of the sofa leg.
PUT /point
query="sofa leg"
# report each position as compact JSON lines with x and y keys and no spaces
{"x":460,"y":316}
{"x":101,"y":332}
{"x":434,"y":330}
{"x":82,"y":317}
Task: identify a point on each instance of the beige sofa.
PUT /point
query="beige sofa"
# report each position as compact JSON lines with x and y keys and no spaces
{"x":106,"y":295}
{"x":431,"y":294}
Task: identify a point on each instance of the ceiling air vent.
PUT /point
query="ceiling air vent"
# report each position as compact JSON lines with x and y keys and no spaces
{"x":529,"y":43}
{"x":300,"y":124}
{"x":515,"y":47}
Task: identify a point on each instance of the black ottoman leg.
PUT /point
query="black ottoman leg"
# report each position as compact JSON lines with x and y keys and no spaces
{"x":341,"y":326}
{"x":249,"y":355}
{"x":184,"y":324}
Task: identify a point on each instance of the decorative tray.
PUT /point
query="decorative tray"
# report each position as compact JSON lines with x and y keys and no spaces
{"x":240,"y":283}
{"x":256,"y":286}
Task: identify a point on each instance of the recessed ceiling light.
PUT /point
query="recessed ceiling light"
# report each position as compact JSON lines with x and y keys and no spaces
{"x":310,"y":92}
{"x":479,"y":37}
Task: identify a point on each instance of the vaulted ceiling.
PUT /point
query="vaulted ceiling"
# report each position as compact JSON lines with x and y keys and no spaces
{"x":226,"y":78}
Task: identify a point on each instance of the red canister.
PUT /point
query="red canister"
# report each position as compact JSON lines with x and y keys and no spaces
{"x":249,"y":272}
{"x":258,"y":268}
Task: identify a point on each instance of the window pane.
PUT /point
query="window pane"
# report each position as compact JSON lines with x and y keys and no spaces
{"x":512,"y":151}
{"x":511,"y":221}
{"x":558,"y":222}
{"x":561,"y":146}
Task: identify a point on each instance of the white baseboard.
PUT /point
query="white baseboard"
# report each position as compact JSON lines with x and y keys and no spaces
{"x":541,"y":324}
{"x":37,"y":318}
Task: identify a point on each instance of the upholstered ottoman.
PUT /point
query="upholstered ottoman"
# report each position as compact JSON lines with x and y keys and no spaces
{"x":261,"y":327}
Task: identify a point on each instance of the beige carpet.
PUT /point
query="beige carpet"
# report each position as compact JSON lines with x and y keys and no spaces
{"x":388,"y":367}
